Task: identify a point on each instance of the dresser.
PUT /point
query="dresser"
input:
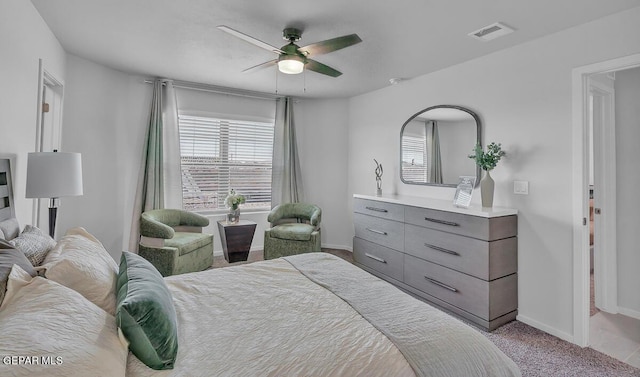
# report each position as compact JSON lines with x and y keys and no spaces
{"x":461,"y":259}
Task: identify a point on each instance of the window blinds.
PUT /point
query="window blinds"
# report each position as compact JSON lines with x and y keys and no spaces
{"x":414,"y":159}
{"x":218,"y":155}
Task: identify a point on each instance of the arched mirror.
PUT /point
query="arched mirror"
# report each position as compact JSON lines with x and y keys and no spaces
{"x":435,"y":143}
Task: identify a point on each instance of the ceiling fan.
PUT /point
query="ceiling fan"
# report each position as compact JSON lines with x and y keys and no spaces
{"x":293,"y":59}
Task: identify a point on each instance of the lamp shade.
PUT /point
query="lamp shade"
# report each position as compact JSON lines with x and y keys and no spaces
{"x":54,"y":174}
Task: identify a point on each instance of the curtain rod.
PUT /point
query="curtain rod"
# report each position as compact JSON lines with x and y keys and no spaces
{"x":220,"y":89}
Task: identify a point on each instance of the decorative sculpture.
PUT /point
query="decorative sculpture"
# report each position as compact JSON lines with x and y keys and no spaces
{"x":378,"y":172}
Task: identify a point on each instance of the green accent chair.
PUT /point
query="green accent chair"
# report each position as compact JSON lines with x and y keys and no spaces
{"x":172,"y":240}
{"x":295,"y":229}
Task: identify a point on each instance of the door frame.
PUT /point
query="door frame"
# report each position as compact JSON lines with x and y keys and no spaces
{"x":46,"y":81}
{"x":580,"y":183}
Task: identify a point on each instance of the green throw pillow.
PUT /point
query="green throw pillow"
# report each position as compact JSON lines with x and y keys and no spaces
{"x":145,"y":312}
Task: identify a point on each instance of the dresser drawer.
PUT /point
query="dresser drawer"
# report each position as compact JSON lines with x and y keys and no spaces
{"x":489,"y":229}
{"x":382,"y":259}
{"x":381,"y":231}
{"x":486,"y":300}
{"x":482,"y":259}
{"x":380,"y":209}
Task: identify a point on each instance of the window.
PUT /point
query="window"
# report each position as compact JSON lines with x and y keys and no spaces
{"x":414,"y":159}
{"x":218,"y":155}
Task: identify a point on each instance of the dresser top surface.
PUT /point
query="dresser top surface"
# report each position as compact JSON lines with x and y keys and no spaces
{"x":441,"y":205}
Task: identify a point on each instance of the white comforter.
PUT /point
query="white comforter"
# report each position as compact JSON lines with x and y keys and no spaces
{"x":267,"y":319}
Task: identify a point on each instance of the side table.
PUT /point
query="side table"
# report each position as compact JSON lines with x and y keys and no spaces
{"x":236,"y":239}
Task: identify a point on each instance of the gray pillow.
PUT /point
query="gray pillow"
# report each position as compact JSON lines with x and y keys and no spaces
{"x":8,"y":257}
{"x":10,"y":228}
{"x":34,"y":243}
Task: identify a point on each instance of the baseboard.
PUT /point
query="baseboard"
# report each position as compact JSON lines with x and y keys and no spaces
{"x":217,"y":253}
{"x":629,"y":312}
{"x":339,"y":247}
{"x":548,"y":329}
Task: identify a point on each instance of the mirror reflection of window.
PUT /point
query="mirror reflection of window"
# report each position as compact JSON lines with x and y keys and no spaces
{"x":414,"y":153}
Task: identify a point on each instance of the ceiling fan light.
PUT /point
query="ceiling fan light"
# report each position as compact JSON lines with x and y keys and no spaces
{"x":291,"y":65}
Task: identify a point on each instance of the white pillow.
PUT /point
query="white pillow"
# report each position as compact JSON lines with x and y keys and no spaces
{"x":80,"y":262}
{"x":48,"y":329}
{"x":34,"y":243}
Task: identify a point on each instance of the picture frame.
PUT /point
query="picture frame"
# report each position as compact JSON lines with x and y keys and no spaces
{"x":464,"y":191}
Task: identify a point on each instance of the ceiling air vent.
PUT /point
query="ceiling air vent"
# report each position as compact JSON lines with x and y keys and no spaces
{"x":490,"y":32}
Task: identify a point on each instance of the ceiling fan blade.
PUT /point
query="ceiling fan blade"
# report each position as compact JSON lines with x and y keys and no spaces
{"x":316,"y":66}
{"x":330,"y":45}
{"x":262,"y":65}
{"x":252,"y":40}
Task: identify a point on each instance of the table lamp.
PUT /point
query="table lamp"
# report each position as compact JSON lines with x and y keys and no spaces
{"x":53,"y":175}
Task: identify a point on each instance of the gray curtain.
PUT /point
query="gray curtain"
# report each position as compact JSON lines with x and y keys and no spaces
{"x":435,"y":171}
{"x":160,"y":175}
{"x":286,"y":180}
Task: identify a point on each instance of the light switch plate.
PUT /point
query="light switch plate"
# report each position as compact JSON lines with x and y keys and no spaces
{"x":521,"y":187}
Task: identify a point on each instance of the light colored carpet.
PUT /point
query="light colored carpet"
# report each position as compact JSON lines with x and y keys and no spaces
{"x":540,"y":354}
{"x":537,"y":353}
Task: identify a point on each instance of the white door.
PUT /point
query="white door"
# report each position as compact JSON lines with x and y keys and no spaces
{"x":602,"y":103}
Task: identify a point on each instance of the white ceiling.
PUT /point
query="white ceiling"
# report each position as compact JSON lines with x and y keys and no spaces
{"x":401,"y":38}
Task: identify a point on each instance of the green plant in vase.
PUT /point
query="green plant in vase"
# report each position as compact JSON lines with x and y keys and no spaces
{"x":487,"y":161}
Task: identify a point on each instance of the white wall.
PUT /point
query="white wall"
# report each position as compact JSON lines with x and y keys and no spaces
{"x":24,"y":38}
{"x":627,"y":112}
{"x":457,"y":139}
{"x":523,"y":97}
{"x":322,"y":132}
{"x":104,"y":117}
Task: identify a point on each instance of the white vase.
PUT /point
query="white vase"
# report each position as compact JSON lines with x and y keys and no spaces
{"x":486,"y":190}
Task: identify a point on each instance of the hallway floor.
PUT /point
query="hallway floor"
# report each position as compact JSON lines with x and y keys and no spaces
{"x":616,"y":335}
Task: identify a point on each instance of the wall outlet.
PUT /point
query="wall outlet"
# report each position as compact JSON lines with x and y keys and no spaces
{"x":521,"y":187}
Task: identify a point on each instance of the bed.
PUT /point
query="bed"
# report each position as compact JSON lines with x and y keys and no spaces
{"x":317,"y":315}
{"x":307,"y":315}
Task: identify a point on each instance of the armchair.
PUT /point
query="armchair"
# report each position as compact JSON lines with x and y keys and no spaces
{"x":295,"y":229}
{"x":172,"y":240}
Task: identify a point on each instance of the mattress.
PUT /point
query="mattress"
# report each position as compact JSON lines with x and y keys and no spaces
{"x":315,"y":315}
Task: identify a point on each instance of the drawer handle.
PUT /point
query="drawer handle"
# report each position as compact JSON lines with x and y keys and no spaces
{"x":376,"y":231}
{"x":442,"y":249}
{"x":441,"y":221}
{"x":439,"y":284}
{"x":375,"y":258}
{"x":376,"y":209}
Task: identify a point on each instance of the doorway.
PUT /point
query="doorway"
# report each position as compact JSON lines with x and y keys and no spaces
{"x":614,"y":328}
{"x":602,"y":192}
{"x":48,"y":130}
